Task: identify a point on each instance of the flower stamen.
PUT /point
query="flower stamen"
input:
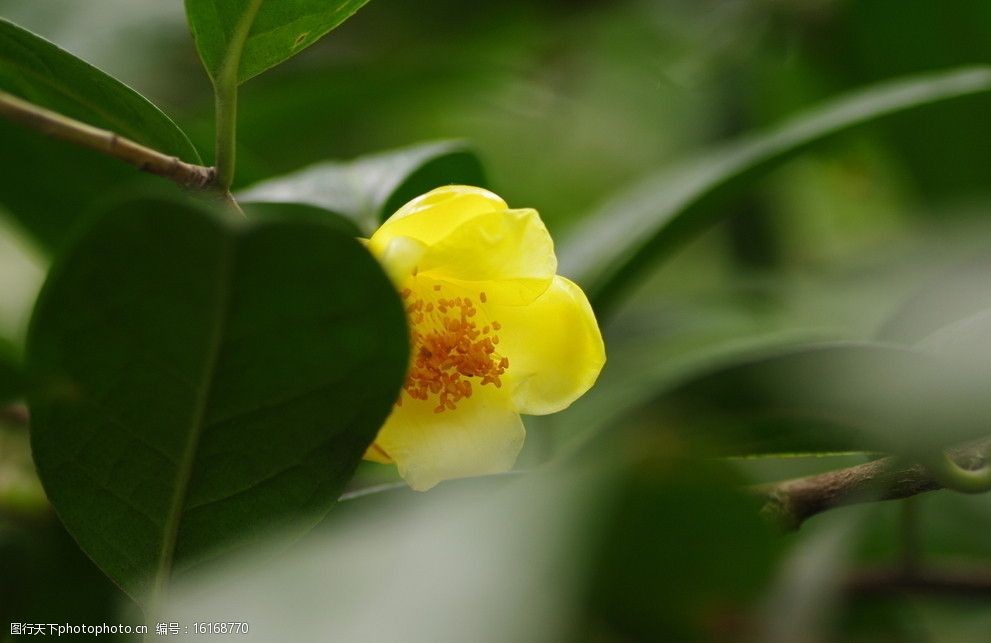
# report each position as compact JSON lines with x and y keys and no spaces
{"x":450,"y":352}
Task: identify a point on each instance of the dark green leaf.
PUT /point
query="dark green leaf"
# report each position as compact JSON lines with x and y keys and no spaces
{"x":40,"y":72}
{"x":300,"y":212}
{"x":279,"y":30}
{"x":369,"y":189}
{"x":43,"y":184}
{"x":200,"y":383}
{"x":651,"y":220}
{"x":668,"y":519}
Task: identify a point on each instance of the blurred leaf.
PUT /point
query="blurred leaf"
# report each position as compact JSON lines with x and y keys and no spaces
{"x":21,"y":495}
{"x":958,"y":293}
{"x":830,"y":397}
{"x":965,"y":339}
{"x":804,"y":598}
{"x":649,"y":221}
{"x":657,"y":577}
{"x":642,"y":370}
{"x":22,"y":270}
{"x":42,"y":183}
{"x":937,"y":147}
{"x":202,"y":382}
{"x":480,"y":562}
{"x":11,"y":373}
{"x":370,"y":188}
{"x":279,"y":30}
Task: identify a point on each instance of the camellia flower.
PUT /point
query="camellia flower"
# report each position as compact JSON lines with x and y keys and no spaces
{"x":494,"y":333}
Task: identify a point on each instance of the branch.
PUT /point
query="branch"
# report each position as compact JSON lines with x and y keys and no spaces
{"x":67,"y":129}
{"x":792,"y":502}
{"x":961,"y":581}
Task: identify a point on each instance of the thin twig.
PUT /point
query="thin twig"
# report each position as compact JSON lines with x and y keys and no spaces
{"x":67,"y":129}
{"x":792,"y":502}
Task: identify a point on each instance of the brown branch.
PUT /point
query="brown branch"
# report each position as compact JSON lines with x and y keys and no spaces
{"x":960,"y":581}
{"x":67,"y":129}
{"x":792,"y":502}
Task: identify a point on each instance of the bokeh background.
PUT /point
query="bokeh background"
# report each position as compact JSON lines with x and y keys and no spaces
{"x":567,"y":102}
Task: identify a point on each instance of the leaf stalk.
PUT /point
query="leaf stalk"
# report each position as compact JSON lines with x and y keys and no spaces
{"x":225,"y":94}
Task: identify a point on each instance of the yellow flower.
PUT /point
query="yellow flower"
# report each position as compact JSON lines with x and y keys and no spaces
{"x":494,"y":332}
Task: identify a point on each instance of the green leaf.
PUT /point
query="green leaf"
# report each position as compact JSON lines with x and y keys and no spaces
{"x":648,"y":222}
{"x":40,"y":72}
{"x":501,"y":554}
{"x":961,"y":292}
{"x":677,"y":515}
{"x":370,"y":188}
{"x":968,"y":338}
{"x":300,"y":212}
{"x":809,"y":584}
{"x":200,"y":382}
{"x":829,"y":397}
{"x":278,"y":30}
{"x":645,"y":370}
{"x":42,"y":184}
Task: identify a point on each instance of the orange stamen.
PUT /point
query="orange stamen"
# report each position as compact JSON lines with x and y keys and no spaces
{"x":450,"y":352}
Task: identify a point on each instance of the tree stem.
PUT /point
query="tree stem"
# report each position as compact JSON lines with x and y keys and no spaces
{"x":67,"y":129}
{"x":225,"y":97}
{"x":792,"y":502}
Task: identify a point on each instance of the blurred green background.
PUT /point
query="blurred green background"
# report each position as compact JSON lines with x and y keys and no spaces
{"x":566,"y":102}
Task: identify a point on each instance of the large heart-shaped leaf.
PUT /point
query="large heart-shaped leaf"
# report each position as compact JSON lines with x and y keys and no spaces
{"x":276,"y":29}
{"x":370,"y":188}
{"x":42,"y":183}
{"x":648,"y":222}
{"x":199,"y":382}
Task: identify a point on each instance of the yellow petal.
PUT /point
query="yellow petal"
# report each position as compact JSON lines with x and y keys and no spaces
{"x":554,"y":347}
{"x":432,"y":216}
{"x":483,"y":435}
{"x":400,"y":258}
{"x":511,"y":248}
